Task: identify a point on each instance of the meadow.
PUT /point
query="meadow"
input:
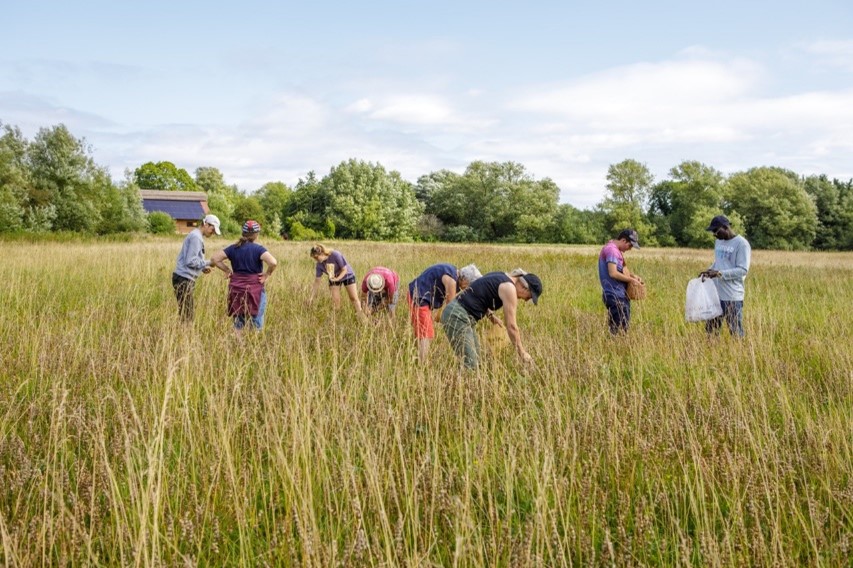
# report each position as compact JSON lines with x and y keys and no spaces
{"x":129,"y":439}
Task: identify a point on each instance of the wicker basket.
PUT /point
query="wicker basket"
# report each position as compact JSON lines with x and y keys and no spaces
{"x":636,"y":291}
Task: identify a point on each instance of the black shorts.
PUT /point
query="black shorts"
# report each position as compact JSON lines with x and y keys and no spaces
{"x":344,"y":282}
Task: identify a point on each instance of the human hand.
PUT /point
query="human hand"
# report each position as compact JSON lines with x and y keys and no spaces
{"x":206,"y":270}
{"x":263,"y":277}
{"x":527,"y":359}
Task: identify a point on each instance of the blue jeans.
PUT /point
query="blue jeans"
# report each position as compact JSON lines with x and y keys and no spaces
{"x":733,"y":314}
{"x":258,"y":320}
{"x":618,"y":313}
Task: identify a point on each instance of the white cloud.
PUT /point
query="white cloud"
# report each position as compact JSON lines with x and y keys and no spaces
{"x":831,"y":53}
{"x":360,"y":106}
{"x":414,"y":109}
{"x":698,"y":106}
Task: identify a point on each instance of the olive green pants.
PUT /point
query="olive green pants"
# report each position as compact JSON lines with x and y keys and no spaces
{"x":459,"y":327}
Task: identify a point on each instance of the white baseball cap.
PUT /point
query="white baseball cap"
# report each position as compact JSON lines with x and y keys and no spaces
{"x":213,"y":221}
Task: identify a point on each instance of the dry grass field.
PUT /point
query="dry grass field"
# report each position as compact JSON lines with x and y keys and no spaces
{"x":128,"y":439}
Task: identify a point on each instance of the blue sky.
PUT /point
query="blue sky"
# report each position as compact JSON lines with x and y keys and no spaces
{"x":268,"y":91}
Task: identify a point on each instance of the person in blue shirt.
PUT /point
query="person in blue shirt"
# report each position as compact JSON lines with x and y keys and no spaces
{"x":191,"y":264}
{"x":432,"y":289}
{"x":247,"y":296}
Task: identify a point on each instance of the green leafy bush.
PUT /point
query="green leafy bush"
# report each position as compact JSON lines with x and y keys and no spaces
{"x":160,"y":223}
{"x":299,"y":232}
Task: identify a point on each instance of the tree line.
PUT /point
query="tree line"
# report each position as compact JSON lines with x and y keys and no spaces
{"x":51,"y":183}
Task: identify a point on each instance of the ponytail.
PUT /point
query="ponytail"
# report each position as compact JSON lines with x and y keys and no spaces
{"x":318,"y":249}
{"x":246,"y":238}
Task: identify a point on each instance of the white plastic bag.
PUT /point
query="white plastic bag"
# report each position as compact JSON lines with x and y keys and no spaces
{"x":703,"y":302}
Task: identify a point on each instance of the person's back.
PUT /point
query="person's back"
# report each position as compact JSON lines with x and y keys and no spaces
{"x":482,"y":296}
{"x":427,"y":288}
{"x":390,"y":278}
{"x":246,"y":258}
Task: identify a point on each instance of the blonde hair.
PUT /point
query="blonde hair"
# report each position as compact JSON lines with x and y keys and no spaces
{"x":318,"y":249}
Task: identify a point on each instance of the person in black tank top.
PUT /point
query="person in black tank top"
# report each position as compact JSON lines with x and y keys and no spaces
{"x":483,"y":298}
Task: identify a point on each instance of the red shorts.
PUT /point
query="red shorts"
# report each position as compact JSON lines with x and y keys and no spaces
{"x":421,"y":317}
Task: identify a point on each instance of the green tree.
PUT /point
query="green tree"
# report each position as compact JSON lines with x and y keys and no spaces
{"x":249,"y":207}
{"x":442,"y":196}
{"x":834,"y":202}
{"x":121,"y":210}
{"x":628,"y":187}
{"x":65,"y":177}
{"x":577,"y":226}
{"x":221,"y":197}
{"x":680,"y":207}
{"x":369,"y":203}
{"x":273,"y":197}
{"x":308,"y":206}
{"x":776,"y":210}
{"x":164,"y":176}
{"x":492,"y":201}
{"x":14,"y":179}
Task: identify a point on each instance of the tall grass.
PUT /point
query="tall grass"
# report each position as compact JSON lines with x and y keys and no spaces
{"x":129,"y":439}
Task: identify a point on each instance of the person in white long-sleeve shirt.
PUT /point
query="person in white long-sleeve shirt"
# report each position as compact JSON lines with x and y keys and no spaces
{"x":191,"y":264}
{"x":732,"y":255}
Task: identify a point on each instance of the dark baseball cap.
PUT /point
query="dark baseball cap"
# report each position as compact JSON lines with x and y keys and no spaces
{"x":631,"y":236}
{"x":534,"y":285}
{"x":717,"y":222}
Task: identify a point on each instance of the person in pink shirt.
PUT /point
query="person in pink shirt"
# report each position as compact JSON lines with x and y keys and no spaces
{"x":380,"y":290}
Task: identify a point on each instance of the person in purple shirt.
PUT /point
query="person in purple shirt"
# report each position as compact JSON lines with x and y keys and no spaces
{"x":614,"y":277}
{"x":332,"y":264}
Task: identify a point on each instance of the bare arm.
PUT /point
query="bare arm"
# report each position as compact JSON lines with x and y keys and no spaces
{"x":449,"y":288}
{"x":218,"y":260}
{"x":314,"y":288}
{"x":494,"y":318}
{"x":510,"y":300}
{"x":620,"y":276}
{"x":271,"y":262}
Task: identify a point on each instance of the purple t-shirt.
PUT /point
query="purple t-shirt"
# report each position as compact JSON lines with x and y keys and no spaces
{"x":611,"y":254}
{"x":339,"y":263}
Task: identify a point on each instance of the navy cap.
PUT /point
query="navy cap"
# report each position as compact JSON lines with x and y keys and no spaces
{"x":631,"y":236}
{"x":534,"y":285}
{"x":717,"y":222}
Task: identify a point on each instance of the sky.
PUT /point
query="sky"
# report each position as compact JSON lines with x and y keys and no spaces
{"x":268,"y":91}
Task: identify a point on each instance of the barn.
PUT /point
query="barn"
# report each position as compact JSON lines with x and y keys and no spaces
{"x":187,"y":208}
